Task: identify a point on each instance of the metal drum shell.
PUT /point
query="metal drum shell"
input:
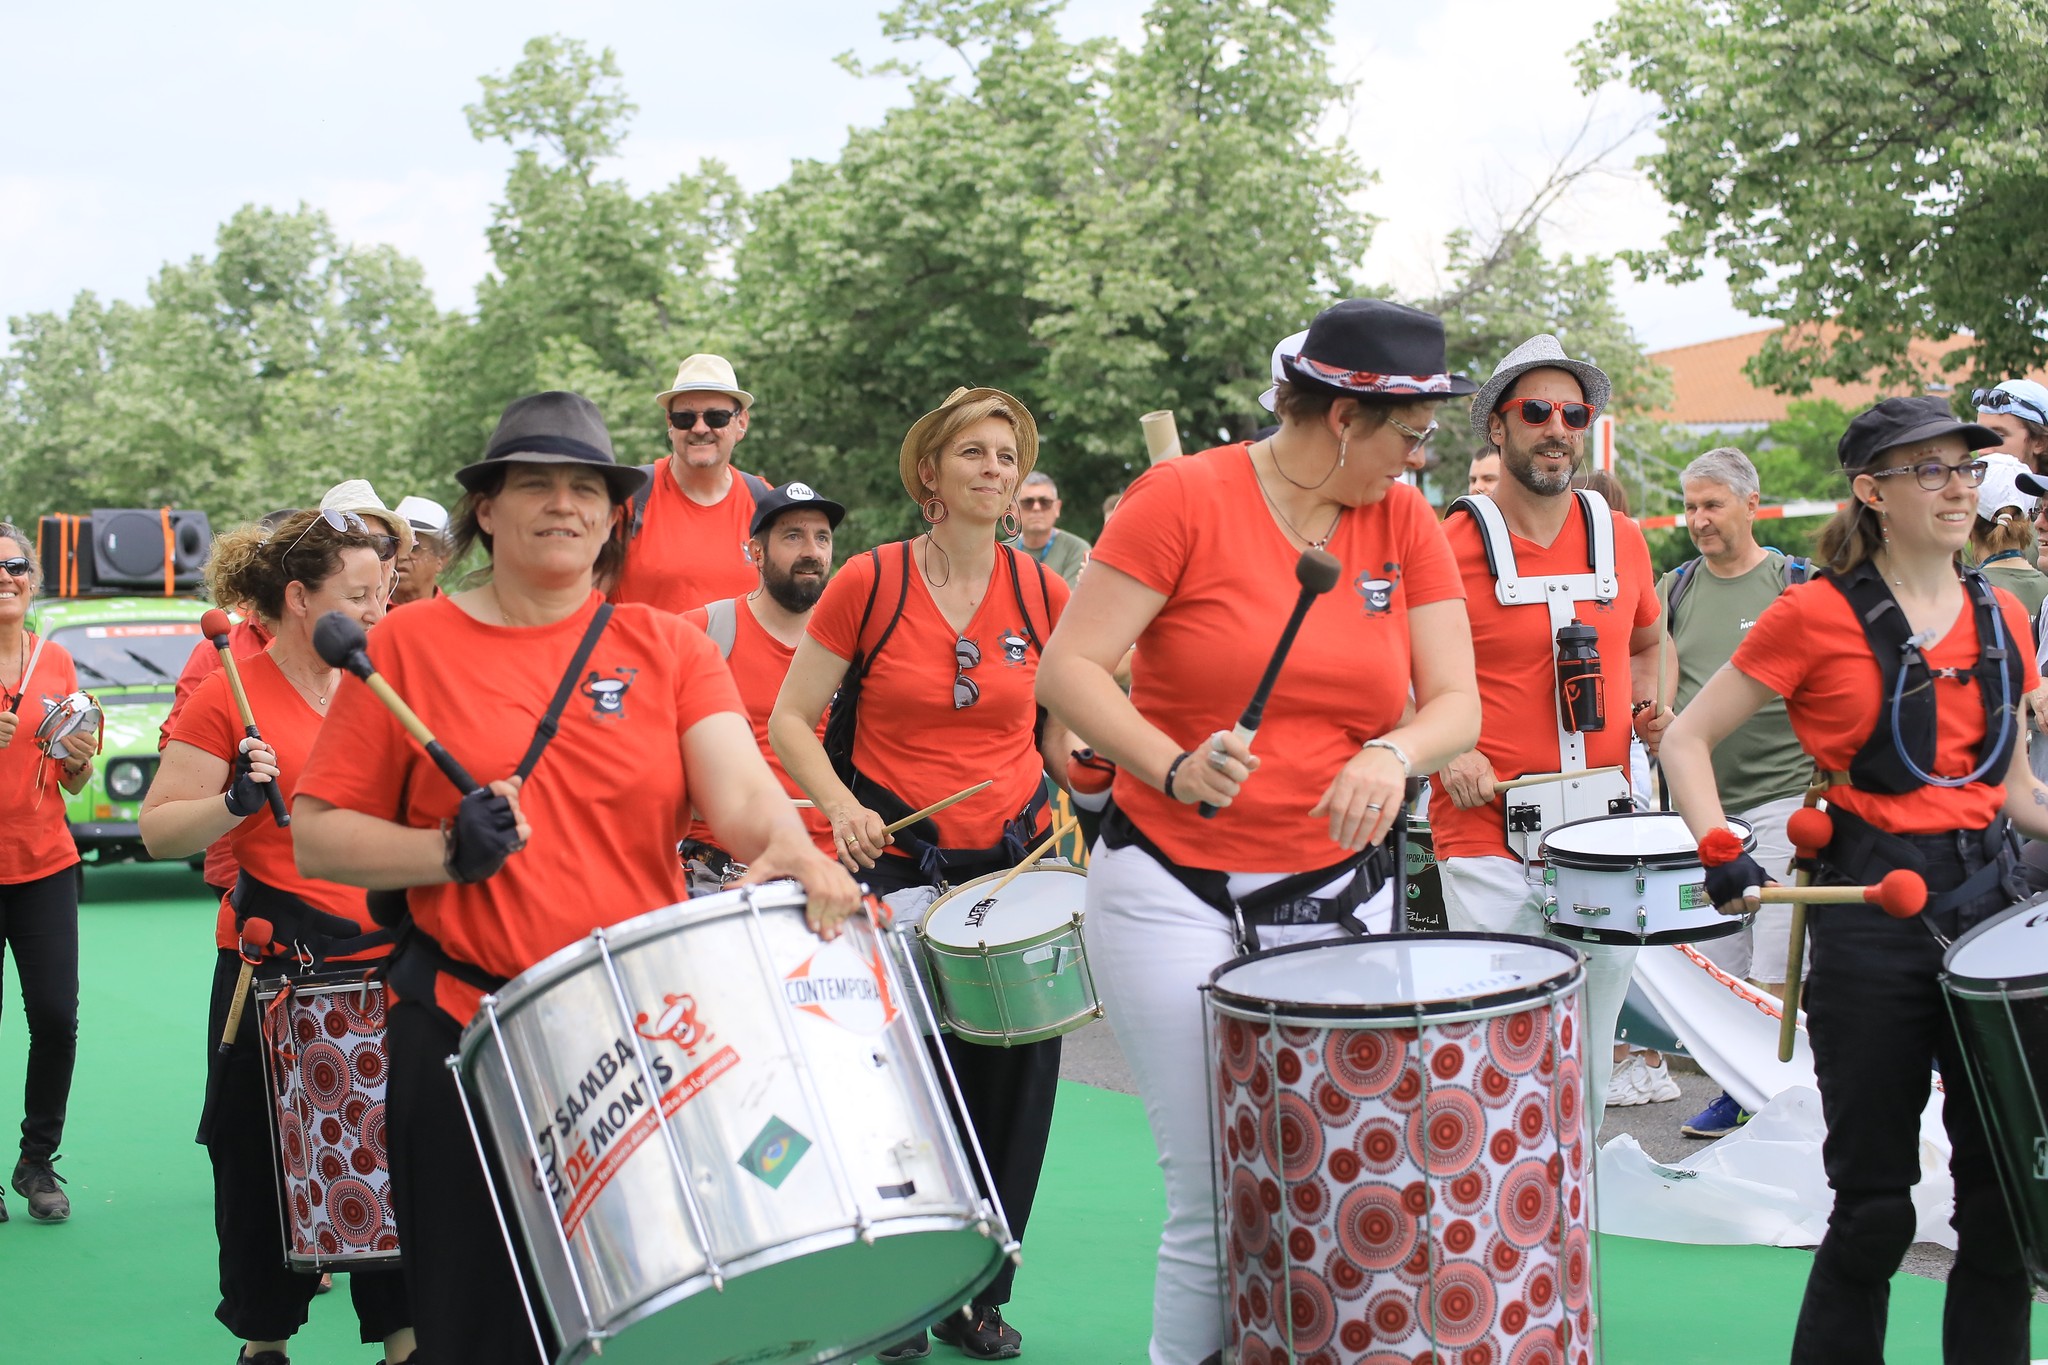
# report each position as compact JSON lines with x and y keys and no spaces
{"x":1578,"y":881}
{"x":1003,"y":995}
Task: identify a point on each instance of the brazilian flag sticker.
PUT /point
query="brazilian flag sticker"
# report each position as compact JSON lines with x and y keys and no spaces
{"x":774,"y":1152}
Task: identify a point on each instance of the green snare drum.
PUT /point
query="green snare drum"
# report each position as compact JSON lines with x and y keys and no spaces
{"x":1009,"y":966}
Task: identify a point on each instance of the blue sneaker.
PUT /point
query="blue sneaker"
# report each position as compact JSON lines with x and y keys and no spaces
{"x":1718,"y":1119}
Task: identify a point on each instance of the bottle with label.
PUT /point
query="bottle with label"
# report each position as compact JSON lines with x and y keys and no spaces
{"x":1580,"y":695}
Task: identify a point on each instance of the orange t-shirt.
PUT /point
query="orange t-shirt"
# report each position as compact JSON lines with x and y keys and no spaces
{"x":607,"y":802}
{"x":1197,"y":530}
{"x":1808,"y":648}
{"x":687,"y":554}
{"x":759,"y":662}
{"x":211,"y":722}
{"x":910,"y":737}
{"x":38,"y":840}
{"x":1516,"y":655}
{"x":245,"y":640}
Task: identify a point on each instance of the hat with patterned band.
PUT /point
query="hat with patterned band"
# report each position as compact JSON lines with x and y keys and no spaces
{"x":1370,"y":348}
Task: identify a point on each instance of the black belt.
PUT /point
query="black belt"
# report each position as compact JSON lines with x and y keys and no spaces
{"x":419,"y":958}
{"x":918,"y":841}
{"x":1862,"y":854}
{"x":307,"y":935}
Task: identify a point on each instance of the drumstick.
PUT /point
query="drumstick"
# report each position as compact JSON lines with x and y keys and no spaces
{"x":1541,"y":778}
{"x":340,"y":642}
{"x":1901,"y":894}
{"x":21,"y":688}
{"x":255,"y":938}
{"x":935,"y":807}
{"x":1058,"y":832}
{"x":1317,"y":571}
{"x":214,"y":626}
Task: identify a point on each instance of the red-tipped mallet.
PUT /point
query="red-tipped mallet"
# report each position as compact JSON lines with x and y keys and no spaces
{"x":214,"y":625}
{"x":342,"y":644}
{"x":1317,"y":571}
{"x":255,"y":938}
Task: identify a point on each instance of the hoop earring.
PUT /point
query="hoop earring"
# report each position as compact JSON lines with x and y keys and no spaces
{"x":931,"y":517}
{"x":1008,"y":525}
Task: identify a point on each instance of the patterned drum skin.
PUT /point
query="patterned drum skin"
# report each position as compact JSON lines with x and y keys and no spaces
{"x":1404,"y":1177}
{"x":323,"y":1049}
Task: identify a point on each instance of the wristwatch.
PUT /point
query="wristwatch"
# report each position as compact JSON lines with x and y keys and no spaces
{"x":1407,"y":768}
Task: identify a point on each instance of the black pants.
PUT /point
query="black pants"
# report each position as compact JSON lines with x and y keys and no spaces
{"x":1877,"y":1021}
{"x":457,"y":1268}
{"x":39,"y":923}
{"x":1009,"y":1094}
{"x":261,"y":1297}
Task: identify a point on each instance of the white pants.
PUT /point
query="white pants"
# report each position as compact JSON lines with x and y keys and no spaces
{"x":1152,"y":945}
{"x":1758,"y":952}
{"x":1496,"y":896}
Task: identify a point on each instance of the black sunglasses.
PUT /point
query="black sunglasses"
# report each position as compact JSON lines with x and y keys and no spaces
{"x":341,"y":523}
{"x":966,"y":654}
{"x":1536,"y":411}
{"x":18,"y":566}
{"x":715,"y":419}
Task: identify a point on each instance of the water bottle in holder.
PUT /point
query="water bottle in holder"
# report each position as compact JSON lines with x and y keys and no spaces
{"x":1581,"y":695}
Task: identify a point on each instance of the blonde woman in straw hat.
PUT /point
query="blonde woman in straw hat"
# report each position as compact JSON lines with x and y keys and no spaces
{"x":932,"y":646}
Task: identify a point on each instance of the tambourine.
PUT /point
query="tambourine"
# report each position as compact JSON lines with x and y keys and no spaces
{"x":77,"y":713}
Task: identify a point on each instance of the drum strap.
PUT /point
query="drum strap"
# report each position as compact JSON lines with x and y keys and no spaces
{"x":934,"y":862}
{"x":309,"y":935}
{"x":419,"y":958}
{"x":1863,"y":853}
{"x":552,"y":721}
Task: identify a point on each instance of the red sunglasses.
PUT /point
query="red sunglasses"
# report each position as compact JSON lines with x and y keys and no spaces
{"x":1536,"y":412}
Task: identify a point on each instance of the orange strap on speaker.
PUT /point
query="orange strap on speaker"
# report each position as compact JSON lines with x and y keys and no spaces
{"x":170,"y":561}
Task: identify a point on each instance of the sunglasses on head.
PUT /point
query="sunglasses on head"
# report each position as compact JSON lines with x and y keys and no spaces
{"x":715,"y":419}
{"x":966,"y":654}
{"x":342,"y":523}
{"x":1536,"y":411}
{"x":17,"y":567}
{"x":2000,"y":400}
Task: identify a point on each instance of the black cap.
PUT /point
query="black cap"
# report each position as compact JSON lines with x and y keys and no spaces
{"x":1372,"y":348}
{"x":776,"y":501}
{"x":1903,"y":422}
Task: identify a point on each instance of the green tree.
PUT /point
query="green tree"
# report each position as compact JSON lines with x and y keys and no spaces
{"x":1877,"y":166}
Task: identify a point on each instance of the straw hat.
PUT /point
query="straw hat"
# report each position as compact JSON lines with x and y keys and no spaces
{"x":913,"y":442}
{"x":706,"y":374}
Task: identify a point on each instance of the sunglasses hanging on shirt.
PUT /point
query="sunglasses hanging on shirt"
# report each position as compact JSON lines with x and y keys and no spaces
{"x":966,"y":655}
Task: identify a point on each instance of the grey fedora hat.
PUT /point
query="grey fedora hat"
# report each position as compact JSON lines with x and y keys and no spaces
{"x":1540,"y":352}
{"x":553,"y":428}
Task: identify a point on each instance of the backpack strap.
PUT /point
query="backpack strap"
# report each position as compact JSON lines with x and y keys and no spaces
{"x":1509,"y":586}
{"x":1679,"y":585}
{"x":722,"y":624}
{"x":640,"y":497}
{"x":1044,"y":593}
{"x":756,"y":486}
{"x":868,"y":652}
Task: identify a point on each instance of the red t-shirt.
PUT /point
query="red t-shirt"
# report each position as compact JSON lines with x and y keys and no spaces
{"x":1516,"y":655}
{"x":38,"y":840}
{"x":1808,"y":648}
{"x":910,"y":737}
{"x":246,"y":639}
{"x":607,"y":802}
{"x":687,"y":554}
{"x":1197,"y":530}
{"x":759,"y":662}
{"x":212,"y":723}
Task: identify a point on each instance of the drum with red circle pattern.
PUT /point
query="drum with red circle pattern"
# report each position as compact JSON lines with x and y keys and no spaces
{"x":323,"y":1048}
{"x":1403,"y":1152}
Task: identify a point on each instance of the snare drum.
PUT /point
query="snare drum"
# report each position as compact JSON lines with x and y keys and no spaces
{"x":323,"y":1054}
{"x":1404,"y":1152}
{"x":1010,"y":967}
{"x":1995,"y":979}
{"x":1632,"y":879}
{"x":730,"y":1141}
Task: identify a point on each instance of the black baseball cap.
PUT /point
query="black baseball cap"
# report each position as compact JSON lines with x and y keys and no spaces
{"x":779,"y":500}
{"x":1903,"y":422}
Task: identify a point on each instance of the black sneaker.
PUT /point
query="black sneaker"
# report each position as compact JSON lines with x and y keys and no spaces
{"x":980,"y":1333}
{"x":910,"y":1348}
{"x":36,"y":1181}
{"x":264,"y":1358}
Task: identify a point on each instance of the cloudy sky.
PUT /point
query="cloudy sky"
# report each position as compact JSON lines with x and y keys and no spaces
{"x":128,"y":132}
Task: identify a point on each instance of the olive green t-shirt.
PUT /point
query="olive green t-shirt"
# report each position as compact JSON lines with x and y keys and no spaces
{"x":1762,"y":760}
{"x":2022,"y":580}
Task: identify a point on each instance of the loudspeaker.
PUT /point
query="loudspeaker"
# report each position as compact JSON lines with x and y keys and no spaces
{"x":60,"y":542}
{"x":128,"y":548}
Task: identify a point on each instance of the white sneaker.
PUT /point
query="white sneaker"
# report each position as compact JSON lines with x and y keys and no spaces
{"x":1657,"y":1085}
{"x":1627,"y":1086}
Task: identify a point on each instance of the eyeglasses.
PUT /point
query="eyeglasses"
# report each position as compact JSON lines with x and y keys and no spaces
{"x":1036,"y":504}
{"x":17,"y":567}
{"x":1934,"y":475}
{"x":1416,"y":439}
{"x":341,"y":523}
{"x":1536,"y":411}
{"x":715,"y":419}
{"x":2002,"y":400}
{"x":966,"y":655}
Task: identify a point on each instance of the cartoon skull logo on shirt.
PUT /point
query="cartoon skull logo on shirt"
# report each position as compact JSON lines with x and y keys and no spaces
{"x":1015,"y":647}
{"x":608,"y":693}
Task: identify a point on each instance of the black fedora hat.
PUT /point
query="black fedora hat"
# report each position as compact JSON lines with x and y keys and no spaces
{"x":1896,"y":422}
{"x":555,"y":427}
{"x":1371,"y":348}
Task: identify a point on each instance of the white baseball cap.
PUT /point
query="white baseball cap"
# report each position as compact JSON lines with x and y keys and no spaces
{"x":2003,"y":486}
{"x":423,"y":514}
{"x":1289,"y":347}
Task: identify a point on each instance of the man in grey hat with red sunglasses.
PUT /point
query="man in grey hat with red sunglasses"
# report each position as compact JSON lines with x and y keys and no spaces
{"x":1557,"y":586}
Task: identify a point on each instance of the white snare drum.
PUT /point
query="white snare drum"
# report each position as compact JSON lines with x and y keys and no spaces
{"x":1632,"y":879}
{"x":798,"y":1196}
{"x":1010,"y":967}
{"x":1404,"y":1152}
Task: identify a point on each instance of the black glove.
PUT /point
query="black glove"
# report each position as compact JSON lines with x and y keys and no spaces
{"x":1728,"y":881}
{"x":483,"y":835}
{"x":245,"y":794}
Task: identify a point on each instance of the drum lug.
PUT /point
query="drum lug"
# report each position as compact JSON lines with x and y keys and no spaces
{"x":1641,"y":884}
{"x":1549,"y":902}
{"x":1642,"y":920}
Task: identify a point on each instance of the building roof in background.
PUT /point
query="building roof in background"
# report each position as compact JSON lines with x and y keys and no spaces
{"x":1709,"y":387}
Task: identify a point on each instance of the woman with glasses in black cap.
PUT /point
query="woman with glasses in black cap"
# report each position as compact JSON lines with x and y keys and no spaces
{"x":1901,"y":674}
{"x":932,"y":645}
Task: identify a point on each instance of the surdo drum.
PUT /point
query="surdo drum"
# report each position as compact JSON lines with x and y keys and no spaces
{"x":323,"y":1055}
{"x":726,"y":1139}
{"x":1403,"y":1152}
{"x":1008,"y":965}
{"x":1632,"y":879}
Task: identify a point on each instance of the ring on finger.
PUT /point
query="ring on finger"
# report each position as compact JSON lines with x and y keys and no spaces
{"x":1372,"y":805}
{"x":1218,"y":759}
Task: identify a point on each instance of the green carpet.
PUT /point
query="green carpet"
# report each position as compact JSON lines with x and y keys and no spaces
{"x":131,"y":1276}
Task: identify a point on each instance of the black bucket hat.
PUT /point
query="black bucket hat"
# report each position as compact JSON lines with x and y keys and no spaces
{"x":553,"y":428}
{"x":1896,"y":422}
{"x":1370,"y":348}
